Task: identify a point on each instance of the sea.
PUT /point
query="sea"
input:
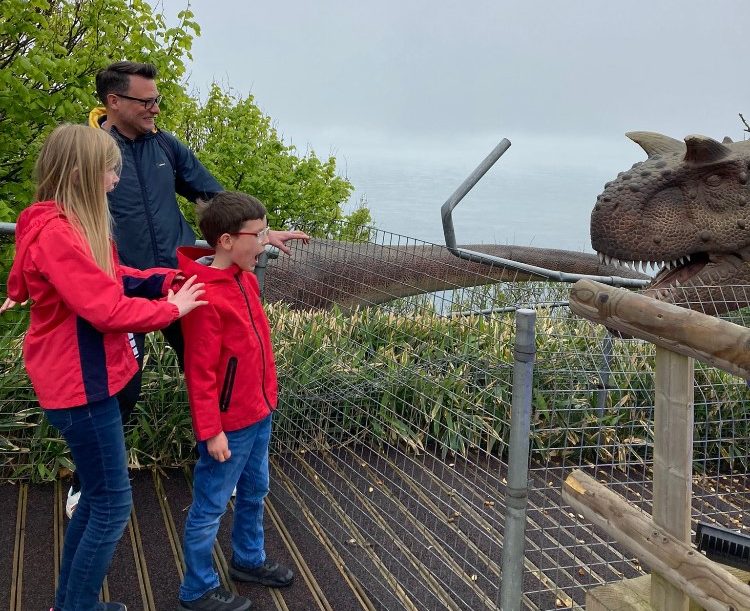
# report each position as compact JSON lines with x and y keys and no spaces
{"x":539,"y":193}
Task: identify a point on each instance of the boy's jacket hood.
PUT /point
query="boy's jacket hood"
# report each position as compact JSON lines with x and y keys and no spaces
{"x":187,"y":261}
{"x":29,"y":225}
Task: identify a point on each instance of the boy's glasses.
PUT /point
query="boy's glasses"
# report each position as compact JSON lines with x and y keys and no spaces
{"x":261,"y":235}
{"x":148,"y":103}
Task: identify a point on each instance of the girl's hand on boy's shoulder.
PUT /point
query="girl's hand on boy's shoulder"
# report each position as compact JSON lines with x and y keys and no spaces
{"x":187,"y":298}
{"x":218,"y":447}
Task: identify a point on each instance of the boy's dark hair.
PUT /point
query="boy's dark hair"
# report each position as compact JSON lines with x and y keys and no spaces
{"x":115,"y":78}
{"x":227,"y":212}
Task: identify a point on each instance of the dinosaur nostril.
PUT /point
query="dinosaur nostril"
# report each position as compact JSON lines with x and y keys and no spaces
{"x":741,"y":224}
{"x":705,"y":236}
{"x":657,"y":239}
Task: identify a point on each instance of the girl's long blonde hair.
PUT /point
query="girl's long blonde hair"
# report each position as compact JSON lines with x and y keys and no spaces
{"x":70,"y":170}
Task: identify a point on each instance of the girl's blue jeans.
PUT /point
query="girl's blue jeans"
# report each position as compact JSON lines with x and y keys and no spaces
{"x":213,"y":482}
{"x":94,"y":435}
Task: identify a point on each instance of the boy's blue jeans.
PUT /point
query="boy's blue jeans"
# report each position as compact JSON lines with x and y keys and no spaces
{"x":213,"y":483}
{"x":94,"y":435}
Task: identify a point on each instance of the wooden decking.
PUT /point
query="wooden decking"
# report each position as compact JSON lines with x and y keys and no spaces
{"x":363,"y":528}
{"x":148,"y":565}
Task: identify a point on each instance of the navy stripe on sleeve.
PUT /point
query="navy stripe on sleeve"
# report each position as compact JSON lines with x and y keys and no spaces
{"x":93,"y":361}
{"x":150,"y":287}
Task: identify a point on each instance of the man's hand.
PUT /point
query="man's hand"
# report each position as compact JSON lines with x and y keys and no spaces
{"x":218,"y":447}
{"x":280,"y":238}
{"x":9,"y":303}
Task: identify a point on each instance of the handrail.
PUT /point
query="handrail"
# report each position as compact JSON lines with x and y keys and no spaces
{"x":719,"y":343}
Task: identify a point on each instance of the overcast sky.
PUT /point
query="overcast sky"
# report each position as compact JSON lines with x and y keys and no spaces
{"x":410,"y":95}
{"x":335,"y":72}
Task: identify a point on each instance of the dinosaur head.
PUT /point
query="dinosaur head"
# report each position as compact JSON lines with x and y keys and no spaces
{"x":684,"y":210}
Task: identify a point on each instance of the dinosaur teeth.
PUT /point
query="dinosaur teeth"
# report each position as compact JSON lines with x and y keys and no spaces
{"x":601,"y":257}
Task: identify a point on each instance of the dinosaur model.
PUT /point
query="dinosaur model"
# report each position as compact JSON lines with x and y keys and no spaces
{"x":686,"y":210}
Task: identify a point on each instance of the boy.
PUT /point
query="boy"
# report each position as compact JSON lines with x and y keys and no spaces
{"x":231,"y":381}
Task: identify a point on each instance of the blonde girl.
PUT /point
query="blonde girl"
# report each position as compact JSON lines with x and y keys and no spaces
{"x":76,"y":350}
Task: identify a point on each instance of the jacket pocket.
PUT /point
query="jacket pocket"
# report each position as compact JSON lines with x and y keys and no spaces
{"x":226,"y":388}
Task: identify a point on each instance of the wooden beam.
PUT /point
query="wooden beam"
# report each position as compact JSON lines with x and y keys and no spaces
{"x":625,"y":595}
{"x":711,"y":340}
{"x":633,"y":594}
{"x":673,"y":463}
{"x":706,"y":582}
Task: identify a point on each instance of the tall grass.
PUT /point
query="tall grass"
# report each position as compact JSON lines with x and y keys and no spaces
{"x":410,"y":377}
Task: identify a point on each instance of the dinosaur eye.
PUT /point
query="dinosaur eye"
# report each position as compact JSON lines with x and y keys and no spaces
{"x":714,"y":180}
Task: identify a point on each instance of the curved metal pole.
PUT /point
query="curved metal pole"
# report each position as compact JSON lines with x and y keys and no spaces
{"x":466,"y":186}
{"x":446,"y":212}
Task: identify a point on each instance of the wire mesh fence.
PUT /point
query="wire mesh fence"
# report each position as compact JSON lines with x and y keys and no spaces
{"x":395,"y":362}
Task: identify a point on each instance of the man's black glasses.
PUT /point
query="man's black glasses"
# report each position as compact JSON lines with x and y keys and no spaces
{"x":148,"y":103}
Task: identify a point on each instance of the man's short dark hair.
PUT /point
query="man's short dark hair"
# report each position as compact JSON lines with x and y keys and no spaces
{"x":227,"y":212}
{"x":115,"y":78}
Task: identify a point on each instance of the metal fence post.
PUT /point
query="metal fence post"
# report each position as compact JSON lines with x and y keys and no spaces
{"x":518,"y":462}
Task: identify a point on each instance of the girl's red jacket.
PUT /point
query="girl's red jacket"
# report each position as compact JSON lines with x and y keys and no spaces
{"x":229,"y":366}
{"x":77,"y":349}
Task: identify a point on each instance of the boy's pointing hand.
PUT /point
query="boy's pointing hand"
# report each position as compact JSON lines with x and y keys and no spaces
{"x":218,"y":447}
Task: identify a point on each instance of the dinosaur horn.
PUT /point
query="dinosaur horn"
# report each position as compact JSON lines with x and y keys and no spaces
{"x":656,"y":144}
{"x":727,"y":140}
{"x":702,"y":149}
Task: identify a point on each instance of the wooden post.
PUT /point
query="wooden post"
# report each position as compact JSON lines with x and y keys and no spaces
{"x":679,"y":335}
{"x":673,"y":463}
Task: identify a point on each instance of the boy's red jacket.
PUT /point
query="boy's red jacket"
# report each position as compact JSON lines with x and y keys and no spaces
{"x":76,"y":349}
{"x":229,"y":366}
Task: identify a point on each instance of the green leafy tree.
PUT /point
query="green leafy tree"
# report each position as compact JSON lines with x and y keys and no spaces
{"x":50,"y":51}
{"x":238,"y":143}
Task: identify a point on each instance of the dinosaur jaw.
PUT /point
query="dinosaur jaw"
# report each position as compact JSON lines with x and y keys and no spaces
{"x":715,"y":282}
{"x":646,"y":265}
{"x":694,"y":271}
{"x":687,"y":271}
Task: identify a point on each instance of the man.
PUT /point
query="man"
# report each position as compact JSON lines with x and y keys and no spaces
{"x":148,"y":223}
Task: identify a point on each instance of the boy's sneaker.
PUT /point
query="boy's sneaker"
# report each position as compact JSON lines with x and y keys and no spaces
{"x":71,"y":503}
{"x":270,"y":574}
{"x":217,"y":599}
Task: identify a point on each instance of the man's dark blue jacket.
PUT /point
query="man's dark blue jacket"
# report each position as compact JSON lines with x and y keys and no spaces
{"x":148,"y":223}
